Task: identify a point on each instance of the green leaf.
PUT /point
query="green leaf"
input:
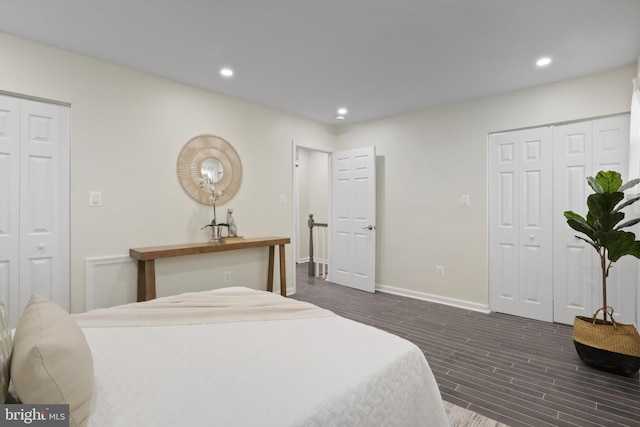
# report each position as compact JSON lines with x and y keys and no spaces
{"x":607,"y":221}
{"x":618,"y":244}
{"x":629,"y":184}
{"x":608,"y":238}
{"x":594,"y":184}
{"x":628,"y":223}
{"x":579,"y":224}
{"x":627,"y":203}
{"x":634,"y":249}
{"x":593,"y":244}
{"x":610,"y":181}
{"x":603,"y":203}
{"x":572,"y":214}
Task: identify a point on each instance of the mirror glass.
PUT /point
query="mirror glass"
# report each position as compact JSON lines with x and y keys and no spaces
{"x":213,"y":168}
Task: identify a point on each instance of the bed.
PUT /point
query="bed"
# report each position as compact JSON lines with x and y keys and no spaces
{"x":240,"y":357}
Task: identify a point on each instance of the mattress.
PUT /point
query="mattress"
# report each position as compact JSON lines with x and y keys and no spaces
{"x":323,"y":370}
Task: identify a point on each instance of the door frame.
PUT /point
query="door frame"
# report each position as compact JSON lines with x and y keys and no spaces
{"x":295,"y":204}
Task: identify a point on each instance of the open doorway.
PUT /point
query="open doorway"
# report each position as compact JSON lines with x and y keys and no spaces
{"x":311,"y":197}
{"x":341,"y":187}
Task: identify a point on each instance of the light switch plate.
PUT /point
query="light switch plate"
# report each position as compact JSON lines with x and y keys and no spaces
{"x":95,"y":198}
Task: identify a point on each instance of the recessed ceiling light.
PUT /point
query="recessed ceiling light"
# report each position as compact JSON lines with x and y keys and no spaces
{"x":226,"y":72}
{"x":342,"y":111}
{"x":339,"y":117}
{"x":543,"y":62}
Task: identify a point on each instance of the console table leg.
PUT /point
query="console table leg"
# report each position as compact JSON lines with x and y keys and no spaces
{"x":283,"y":273}
{"x":270,"y":273}
{"x":146,"y":280}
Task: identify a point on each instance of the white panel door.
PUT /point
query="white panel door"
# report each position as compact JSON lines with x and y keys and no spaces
{"x":353,"y":218}
{"x":9,"y":205}
{"x":34,"y":214}
{"x":504,"y":257}
{"x":581,"y":150}
{"x":536,"y":224}
{"x":611,"y":152}
{"x":573,"y":267}
{"x":44,"y":202}
{"x":520,"y":223}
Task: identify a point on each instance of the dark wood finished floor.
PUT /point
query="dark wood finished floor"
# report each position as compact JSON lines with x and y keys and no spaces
{"x":517,"y":371}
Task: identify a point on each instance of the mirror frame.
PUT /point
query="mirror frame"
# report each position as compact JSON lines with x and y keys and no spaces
{"x":189,"y":168}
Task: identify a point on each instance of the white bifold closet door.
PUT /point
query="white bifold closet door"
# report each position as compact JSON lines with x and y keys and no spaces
{"x":581,"y":150}
{"x":537,"y":267}
{"x":520,"y":223}
{"x":34,"y":203}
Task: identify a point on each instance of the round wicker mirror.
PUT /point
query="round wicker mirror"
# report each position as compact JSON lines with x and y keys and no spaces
{"x":200,"y":150}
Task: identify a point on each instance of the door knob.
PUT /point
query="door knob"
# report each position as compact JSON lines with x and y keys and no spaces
{"x":40,"y":245}
{"x":369,"y":227}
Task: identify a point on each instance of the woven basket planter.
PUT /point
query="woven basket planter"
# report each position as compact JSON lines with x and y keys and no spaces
{"x":609,"y":346}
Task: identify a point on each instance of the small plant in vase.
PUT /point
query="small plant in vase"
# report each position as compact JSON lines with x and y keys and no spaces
{"x":207,"y":184}
{"x":605,"y":344}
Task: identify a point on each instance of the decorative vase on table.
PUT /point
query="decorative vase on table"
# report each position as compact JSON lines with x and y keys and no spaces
{"x":602,"y":343}
{"x":215,"y":234}
{"x":207,"y":184}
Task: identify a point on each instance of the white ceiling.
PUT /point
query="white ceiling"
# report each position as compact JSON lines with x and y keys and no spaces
{"x":374,"y":57}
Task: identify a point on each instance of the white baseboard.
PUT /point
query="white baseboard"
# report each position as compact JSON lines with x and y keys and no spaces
{"x":468,"y":305}
{"x":316,"y":260}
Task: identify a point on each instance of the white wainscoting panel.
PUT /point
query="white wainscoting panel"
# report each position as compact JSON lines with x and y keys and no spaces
{"x":110,"y":281}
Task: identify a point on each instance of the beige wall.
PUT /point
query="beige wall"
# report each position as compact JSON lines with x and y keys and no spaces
{"x":427,"y":159}
{"x":127,"y":129}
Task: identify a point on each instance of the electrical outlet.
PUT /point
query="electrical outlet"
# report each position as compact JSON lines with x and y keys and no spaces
{"x":283,"y":199}
{"x":440,"y":271}
{"x":227,"y":276}
{"x":465,"y":200}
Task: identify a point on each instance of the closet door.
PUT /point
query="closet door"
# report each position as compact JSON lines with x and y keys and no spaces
{"x":573,"y":267}
{"x":581,"y":150}
{"x":611,"y":152}
{"x":34,"y":218}
{"x":520,"y":246}
{"x":536,"y":223}
{"x":10,"y":204}
{"x":504,"y":223}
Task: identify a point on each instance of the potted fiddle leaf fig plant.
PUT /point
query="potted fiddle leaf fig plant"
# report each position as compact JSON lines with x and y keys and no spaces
{"x":602,"y":343}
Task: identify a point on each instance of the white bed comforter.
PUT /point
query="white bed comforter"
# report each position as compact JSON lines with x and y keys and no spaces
{"x":319,"y":371}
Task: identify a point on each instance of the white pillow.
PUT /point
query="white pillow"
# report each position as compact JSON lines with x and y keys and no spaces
{"x":5,"y":352}
{"x":51,"y":362}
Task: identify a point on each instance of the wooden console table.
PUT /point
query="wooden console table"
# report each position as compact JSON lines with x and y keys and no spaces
{"x":147,"y":268}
